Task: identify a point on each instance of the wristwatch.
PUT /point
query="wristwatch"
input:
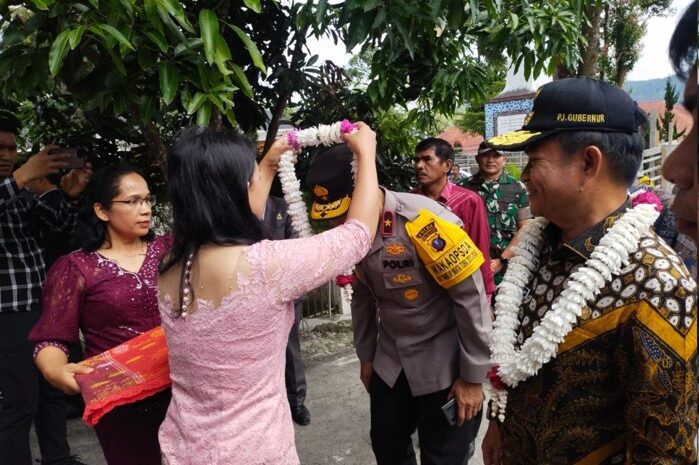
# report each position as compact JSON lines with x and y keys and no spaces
{"x":504,"y":260}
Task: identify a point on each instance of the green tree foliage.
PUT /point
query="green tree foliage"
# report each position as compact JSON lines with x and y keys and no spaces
{"x":430,"y":52}
{"x":666,"y":120}
{"x":473,"y":118}
{"x":131,"y":72}
{"x":137,"y":61}
{"x":335,"y":96}
{"x":281,"y":31}
{"x":614,"y":30}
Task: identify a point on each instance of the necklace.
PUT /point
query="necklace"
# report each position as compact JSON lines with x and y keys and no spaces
{"x":142,"y":252}
{"x":510,"y":365}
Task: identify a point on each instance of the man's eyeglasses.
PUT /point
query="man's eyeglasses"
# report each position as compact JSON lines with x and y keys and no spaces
{"x":138,"y":203}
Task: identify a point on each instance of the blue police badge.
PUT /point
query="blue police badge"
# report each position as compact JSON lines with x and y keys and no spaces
{"x":438,"y":244}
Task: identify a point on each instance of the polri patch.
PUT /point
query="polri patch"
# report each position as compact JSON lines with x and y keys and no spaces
{"x":397,"y":264}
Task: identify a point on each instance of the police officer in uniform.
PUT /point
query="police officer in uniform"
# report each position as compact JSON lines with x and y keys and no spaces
{"x":421,"y":319}
{"x":278,"y":224}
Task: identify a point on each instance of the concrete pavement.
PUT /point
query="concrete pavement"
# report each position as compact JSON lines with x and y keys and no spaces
{"x":339,"y":429}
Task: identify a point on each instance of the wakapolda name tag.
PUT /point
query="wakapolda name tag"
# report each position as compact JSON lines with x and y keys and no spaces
{"x":444,"y":248}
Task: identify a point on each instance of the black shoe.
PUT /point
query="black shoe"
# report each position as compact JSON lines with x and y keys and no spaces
{"x":301,"y":415}
{"x":74,"y":460}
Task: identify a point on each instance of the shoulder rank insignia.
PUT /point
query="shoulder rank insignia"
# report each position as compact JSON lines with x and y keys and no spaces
{"x":445,"y":249}
{"x":387,"y":225}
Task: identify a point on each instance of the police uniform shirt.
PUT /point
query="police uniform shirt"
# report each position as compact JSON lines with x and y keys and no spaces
{"x":404,"y":320}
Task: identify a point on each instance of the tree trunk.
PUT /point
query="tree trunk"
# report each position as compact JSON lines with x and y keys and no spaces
{"x":562,"y":72}
{"x":156,"y":148}
{"x":216,"y":121}
{"x":605,"y":42}
{"x":157,"y":152}
{"x":285,"y":95}
{"x":620,"y":77}
{"x":273,"y":126}
{"x":591,"y":30}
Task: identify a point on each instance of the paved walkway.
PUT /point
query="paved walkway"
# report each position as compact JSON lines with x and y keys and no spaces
{"x":339,"y":429}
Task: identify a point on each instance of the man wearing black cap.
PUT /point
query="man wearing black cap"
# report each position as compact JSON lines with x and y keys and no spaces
{"x":506,"y":203}
{"x":594,"y":339}
{"x":420,"y":316}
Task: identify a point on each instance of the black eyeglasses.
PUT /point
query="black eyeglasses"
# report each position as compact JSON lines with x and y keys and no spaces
{"x":138,"y":203}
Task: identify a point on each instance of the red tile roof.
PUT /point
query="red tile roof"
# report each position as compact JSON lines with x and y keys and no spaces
{"x":468,"y":141}
{"x":682,"y":117}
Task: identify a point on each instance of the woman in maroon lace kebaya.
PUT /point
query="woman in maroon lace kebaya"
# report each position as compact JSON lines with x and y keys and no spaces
{"x":107,"y":289}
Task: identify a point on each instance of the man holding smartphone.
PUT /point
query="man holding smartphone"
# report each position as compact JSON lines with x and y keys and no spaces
{"x":22,"y":272}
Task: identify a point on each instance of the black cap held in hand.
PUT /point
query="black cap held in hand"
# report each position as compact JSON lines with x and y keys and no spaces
{"x":574,"y":104}
{"x":330,"y":180}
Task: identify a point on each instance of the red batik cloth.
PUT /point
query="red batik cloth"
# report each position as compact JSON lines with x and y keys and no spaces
{"x":131,"y":371}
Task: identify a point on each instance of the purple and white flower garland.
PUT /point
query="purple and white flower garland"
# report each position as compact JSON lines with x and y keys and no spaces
{"x":311,"y":137}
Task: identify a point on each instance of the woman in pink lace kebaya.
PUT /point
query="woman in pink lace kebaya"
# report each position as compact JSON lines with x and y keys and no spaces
{"x":226,"y":297}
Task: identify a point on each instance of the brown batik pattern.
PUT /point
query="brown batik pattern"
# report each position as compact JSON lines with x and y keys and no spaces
{"x":622,"y":388}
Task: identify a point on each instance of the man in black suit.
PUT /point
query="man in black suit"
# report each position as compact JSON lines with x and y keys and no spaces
{"x":278,"y":224}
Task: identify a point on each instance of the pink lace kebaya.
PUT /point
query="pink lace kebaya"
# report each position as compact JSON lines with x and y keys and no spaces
{"x":227,"y":361}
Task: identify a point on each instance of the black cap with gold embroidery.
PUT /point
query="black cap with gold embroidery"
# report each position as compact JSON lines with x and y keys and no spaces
{"x":574,"y":104}
{"x":330,"y":180}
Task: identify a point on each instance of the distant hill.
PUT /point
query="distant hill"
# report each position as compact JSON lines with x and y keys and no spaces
{"x":652,"y":89}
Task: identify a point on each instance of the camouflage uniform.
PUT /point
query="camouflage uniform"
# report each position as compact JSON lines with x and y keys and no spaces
{"x":506,"y":202}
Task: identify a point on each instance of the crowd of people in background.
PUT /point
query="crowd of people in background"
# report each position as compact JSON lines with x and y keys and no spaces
{"x":469,"y":279}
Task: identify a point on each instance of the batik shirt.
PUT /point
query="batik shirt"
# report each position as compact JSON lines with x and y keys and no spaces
{"x":621,"y":389}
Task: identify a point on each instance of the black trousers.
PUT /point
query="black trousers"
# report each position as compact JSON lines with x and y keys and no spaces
{"x":25,"y":396}
{"x":294,"y":374}
{"x":50,"y":424}
{"x":396,"y":414}
{"x":19,"y":387}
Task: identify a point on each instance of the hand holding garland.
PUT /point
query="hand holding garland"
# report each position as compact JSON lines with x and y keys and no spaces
{"x":268,"y":166}
{"x":366,"y":205}
{"x":362,"y":141}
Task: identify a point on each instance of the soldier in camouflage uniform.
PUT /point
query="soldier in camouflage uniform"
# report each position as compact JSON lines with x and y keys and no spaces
{"x":506,"y":202}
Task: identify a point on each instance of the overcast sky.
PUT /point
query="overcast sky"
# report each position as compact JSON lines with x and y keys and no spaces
{"x":654,"y":62}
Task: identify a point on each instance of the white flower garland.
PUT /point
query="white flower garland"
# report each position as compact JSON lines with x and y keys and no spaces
{"x":311,"y":137}
{"x":512,"y":365}
{"x":292,"y":194}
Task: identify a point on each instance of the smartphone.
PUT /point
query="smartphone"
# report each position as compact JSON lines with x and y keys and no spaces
{"x":449,"y":411}
{"x":74,"y":161}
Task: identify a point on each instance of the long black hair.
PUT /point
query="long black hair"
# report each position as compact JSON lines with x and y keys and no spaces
{"x":90,"y":231}
{"x":207,"y":176}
